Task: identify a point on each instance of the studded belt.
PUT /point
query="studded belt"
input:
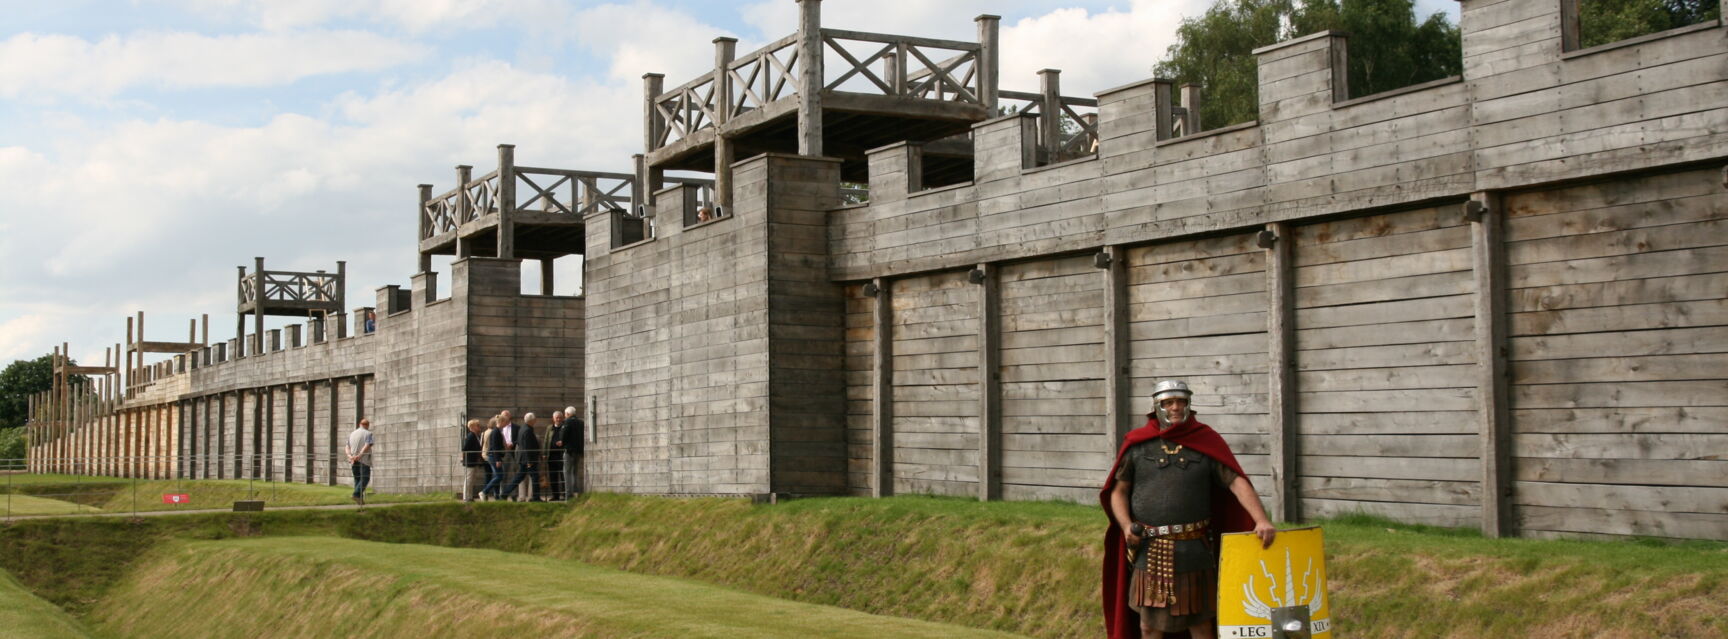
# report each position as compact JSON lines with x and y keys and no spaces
{"x":1171,"y":529}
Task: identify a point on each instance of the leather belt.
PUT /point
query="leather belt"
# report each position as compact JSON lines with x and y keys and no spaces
{"x":1174,"y":529}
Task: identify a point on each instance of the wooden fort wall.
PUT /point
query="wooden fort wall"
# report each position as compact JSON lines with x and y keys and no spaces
{"x":1491,"y":301}
{"x":283,"y":410}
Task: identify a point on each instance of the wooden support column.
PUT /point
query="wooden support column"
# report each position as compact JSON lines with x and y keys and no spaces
{"x":330,"y":473}
{"x":464,"y":209}
{"x":239,"y":434}
{"x":1049,"y":113}
{"x":1163,"y":110}
{"x":221,"y":435}
{"x":810,"y":77}
{"x":1118,"y":413}
{"x":546,"y":276}
{"x":257,"y":345}
{"x":506,"y":201}
{"x":426,"y":230}
{"x":1281,"y":372}
{"x":1493,"y":379}
{"x":989,"y":62}
{"x":653,"y":126}
{"x":989,"y":386}
{"x":311,"y":429}
{"x":882,"y":392}
{"x":725,"y":49}
{"x":258,"y":426}
{"x":183,"y":447}
{"x":288,"y":433}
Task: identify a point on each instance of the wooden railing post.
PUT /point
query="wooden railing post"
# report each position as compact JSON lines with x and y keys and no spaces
{"x":257,"y":311}
{"x":652,"y":123}
{"x":464,"y":209}
{"x":506,"y":201}
{"x":724,"y":51}
{"x":989,"y":63}
{"x":1164,"y":125}
{"x":810,"y":77}
{"x":1050,"y":112}
{"x":427,"y":229}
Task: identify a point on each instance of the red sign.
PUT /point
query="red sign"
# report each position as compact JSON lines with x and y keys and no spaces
{"x":176,"y":498}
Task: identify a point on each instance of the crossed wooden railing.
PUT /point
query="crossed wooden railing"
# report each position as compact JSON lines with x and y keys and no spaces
{"x":574,"y":193}
{"x":909,"y":66}
{"x":290,"y":286}
{"x":1067,"y":125}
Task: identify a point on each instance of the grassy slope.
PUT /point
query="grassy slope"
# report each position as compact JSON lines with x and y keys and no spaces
{"x":369,"y":588}
{"x":27,"y":505}
{"x":1029,"y":568}
{"x":24,"y":615}
{"x":124,"y":495}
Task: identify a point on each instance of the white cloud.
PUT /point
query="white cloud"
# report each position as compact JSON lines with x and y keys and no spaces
{"x":35,"y":64}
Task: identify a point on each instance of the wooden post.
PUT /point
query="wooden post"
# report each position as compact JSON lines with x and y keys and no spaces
{"x":128,"y":353}
{"x":1049,"y":113}
{"x":311,"y":428}
{"x":506,"y":201}
{"x":810,"y":77}
{"x":1281,"y":372}
{"x":1163,"y":110}
{"x":882,"y":393}
{"x":221,"y":434}
{"x":545,"y":276}
{"x":426,"y":230}
{"x":331,"y":439}
{"x":652,"y":124}
{"x":464,"y":210}
{"x":724,"y":51}
{"x":1571,"y":32}
{"x":258,"y":418}
{"x":257,"y":311}
{"x":204,"y":337}
{"x":240,"y":434}
{"x":989,"y":62}
{"x":240,"y":317}
{"x":989,"y":390}
{"x":341,"y":282}
{"x":1494,"y":421}
{"x":1117,"y":404}
{"x":1192,"y":98}
{"x":288,"y":433}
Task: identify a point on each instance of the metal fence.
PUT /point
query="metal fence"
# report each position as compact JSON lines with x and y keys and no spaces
{"x":134,"y":485}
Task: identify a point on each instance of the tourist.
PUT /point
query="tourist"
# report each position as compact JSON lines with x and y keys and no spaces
{"x":555,"y":458}
{"x":359,"y":451}
{"x":473,"y":461}
{"x":522,"y":446}
{"x":538,"y":482}
{"x":492,"y":450}
{"x":574,"y":436}
{"x":1174,"y":488}
{"x":511,"y":466}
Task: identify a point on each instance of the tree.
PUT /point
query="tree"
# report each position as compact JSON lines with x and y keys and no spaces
{"x":1605,"y":21}
{"x":19,"y":381}
{"x":1389,"y":48}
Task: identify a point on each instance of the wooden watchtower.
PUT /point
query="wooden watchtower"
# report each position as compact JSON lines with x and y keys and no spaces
{"x":285,"y":293}
{"x":821,"y":92}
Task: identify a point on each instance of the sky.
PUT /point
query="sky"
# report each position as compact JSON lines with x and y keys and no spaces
{"x":148,"y":147}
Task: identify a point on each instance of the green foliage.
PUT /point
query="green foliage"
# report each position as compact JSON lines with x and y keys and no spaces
{"x":21,"y":379}
{"x":12,"y":448}
{"x":1389,"y":48}
{"x":1605,"y":21}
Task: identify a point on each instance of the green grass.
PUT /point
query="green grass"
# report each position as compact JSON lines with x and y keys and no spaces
{"x":369,"y":588}
{"x":23,"y":614}
{"x":27,"y":505}
{"x":108,"y":494}
{"x":1026,"y":568}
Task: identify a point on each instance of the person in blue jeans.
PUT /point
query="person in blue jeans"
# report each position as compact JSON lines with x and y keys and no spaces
{"x":494,"y":451}
{"x":359,"y":451}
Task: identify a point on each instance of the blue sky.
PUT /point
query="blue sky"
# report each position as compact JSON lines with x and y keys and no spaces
{"x":149,"y":147}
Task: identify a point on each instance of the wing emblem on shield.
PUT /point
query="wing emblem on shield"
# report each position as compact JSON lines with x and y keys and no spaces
{"x":1256,"y":600}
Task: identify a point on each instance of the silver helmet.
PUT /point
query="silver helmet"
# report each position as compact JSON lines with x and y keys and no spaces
{"x":1167,"y":389}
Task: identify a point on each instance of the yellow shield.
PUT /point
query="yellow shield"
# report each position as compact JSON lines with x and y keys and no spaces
{"x":1255,"y":584}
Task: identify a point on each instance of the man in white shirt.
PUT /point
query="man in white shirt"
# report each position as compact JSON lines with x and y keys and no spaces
{"x":359,"y":451}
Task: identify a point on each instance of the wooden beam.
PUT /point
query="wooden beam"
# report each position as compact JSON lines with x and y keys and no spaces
{"x":1494,"y":419}
{"x":882,"y":392}
{"x":1281,"y":372}
{"x":989,"y":388}
{"x":810,"y":77}
{"x":506,"y":201}
{"x":725,"y":49}
{"x":1118,"y":410}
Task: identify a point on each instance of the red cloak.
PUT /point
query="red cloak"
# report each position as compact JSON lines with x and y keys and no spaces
{"x":1228,"y":515}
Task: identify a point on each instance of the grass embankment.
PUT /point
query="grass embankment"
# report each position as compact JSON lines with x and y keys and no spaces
{"x":376,"y":589}
{"x":72,"y":494}
{"x":23,"y":614}
{"x":1029,"y":568}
